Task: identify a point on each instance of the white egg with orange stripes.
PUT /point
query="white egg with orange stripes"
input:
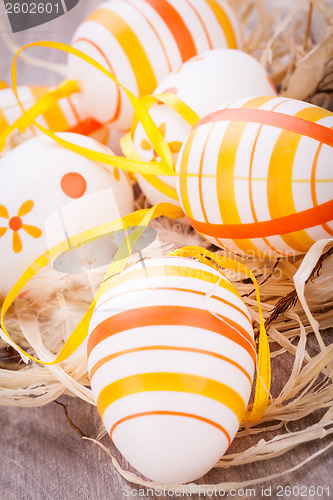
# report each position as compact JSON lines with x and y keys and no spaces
{"x":48,"y":194}
{"x":67,"y":115}
{"x":255,"y":176}
{"x":203,"y":83}
{"x":171,"y":359}
{"x":141,"y":42}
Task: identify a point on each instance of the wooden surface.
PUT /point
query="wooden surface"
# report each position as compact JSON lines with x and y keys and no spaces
{"x":43,"y":457}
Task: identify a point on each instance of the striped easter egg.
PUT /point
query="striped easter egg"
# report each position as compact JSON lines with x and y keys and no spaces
{"x":141,"y":42}
{"x":171,"y":360}
{"x":65,"y":116}
{"x":255,"y":176}
{"x":203,"y":82}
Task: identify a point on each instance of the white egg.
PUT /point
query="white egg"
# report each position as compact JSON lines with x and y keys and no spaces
{"x":49,"y":193}
{"x":255,"y":176}
{"x":141,"y":42}
{"x":202,"y":83}
{"x":171,"y":361}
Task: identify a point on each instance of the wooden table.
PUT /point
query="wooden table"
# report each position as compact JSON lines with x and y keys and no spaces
{"x":43,"y":457}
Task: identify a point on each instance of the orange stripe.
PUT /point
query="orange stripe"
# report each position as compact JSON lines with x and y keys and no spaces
{"x":173,"y":316}
{"x":174,"y":271}
{"x":176,"y":25}
{"x":311,"y":217}
{"x":280,"y":120}
{"x":110,"y":357}
{"x":132,"y":47}
{"x":166,"y":55}
{"x":86,"y":127}
{"x":224,"y":21}
{"x":173,"y":413}
{"x":313,"y":187}
{"x":203,"y":294}
{"x":204,"y":27}
{"x":117,"y":111}
{"x":174,"y":382}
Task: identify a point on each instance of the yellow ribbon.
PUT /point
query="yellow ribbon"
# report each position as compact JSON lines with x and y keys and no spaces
{"x":263,"y":381}
{"x":46,"y":102}
{"x":165,"y":167}
{"x":141,"y":218}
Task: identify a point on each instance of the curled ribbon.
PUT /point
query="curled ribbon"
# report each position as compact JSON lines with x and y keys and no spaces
{"x":140,"y":218}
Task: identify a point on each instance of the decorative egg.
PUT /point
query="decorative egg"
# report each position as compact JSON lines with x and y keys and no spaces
{"x":203,"y":82}
{"x":66,"y":116}
{"x":141,"y":42}
{"x":171,"y":359}
{"x":255,"y":176}
{"x":49,"y":193}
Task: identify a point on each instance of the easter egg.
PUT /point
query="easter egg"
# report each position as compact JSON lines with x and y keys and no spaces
{"x":49,"y":193}
{"x":203,"y":83}
{"x":141,"y":42}
{"x":171,"y":361}
{"x":65,"y":116}
{"x":255,"y":176}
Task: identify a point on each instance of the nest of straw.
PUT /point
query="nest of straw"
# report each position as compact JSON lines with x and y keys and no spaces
{"x":295,"y":44}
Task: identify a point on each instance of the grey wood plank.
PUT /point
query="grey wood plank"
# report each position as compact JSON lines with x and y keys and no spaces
{"x":43,"y":458}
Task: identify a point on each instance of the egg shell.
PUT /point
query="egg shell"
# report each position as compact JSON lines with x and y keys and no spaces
{"x":203,"y":83}
{"x":67,"y":115}
{"x":44,"y":199}
{"x":171,"y":361}
{"x":141,"y":42}
{"x":255,"y":176}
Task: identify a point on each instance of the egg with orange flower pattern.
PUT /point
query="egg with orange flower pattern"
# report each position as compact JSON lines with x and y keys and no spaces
{"x":203,"y":82}
{"x":48,"y":193}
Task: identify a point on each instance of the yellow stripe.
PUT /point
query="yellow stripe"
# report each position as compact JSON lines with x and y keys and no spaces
{"x":183,"y":187}
{"x":175,"y":382}
{"x":161,"y":186}
{"x":225,"y":175}
{"x":54,"y":117}
{"x":174,"y":271}
{"x":132,"y":47}
{"x":279,"y":181}
{"x":313,"y":114}
{"x":3,"y":121}
{"x":225,"y":22}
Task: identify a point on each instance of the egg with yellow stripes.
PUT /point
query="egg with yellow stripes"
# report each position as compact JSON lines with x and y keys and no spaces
{"x":141,"y":42}
{"x":203,"y":82}
{"x":67,"y":115}
{"x":171,"y":359}
{"x":255,"y":176}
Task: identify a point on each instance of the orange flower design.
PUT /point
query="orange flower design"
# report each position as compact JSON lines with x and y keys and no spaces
{"x":15,"y":224}
{"x":174,"y":145}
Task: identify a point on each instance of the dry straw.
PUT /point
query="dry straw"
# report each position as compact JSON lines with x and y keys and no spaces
{"x":295,"y":44}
